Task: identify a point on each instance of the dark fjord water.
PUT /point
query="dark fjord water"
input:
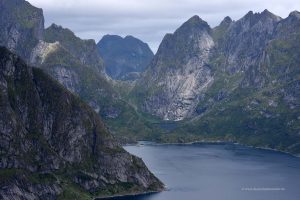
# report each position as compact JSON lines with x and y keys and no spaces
{"x":220,"y":172}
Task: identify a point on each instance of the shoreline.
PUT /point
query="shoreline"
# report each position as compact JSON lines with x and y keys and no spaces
{"x":214,"y":142}
{"x":140,"y":143}
{"x":128,"y":195}
{"x":270,"y":149}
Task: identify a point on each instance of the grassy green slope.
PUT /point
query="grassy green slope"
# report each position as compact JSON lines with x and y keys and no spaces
{"x":267,"y":117}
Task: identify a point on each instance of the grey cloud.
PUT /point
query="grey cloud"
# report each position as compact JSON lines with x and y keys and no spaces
{"x":148,"y":20}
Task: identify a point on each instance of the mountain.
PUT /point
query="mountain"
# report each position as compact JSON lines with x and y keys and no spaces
{"x":124,"y":58}
{"x":236,"y":82}
{"x":179,"y":72}
{"x":76,"y":64}
{"x":21,"y":26}
{"x":55,"y":146}
{"x":94,"y":88}
{"x":84,"y":50}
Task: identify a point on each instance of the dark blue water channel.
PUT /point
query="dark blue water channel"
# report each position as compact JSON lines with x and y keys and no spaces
{"x":220,"y":172}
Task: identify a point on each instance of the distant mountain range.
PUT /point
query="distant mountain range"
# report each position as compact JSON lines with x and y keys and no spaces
{"x":124,"y":58}
{"x":73,"y":62}
{"x":237,"y":82}
{"x":54,"y":146}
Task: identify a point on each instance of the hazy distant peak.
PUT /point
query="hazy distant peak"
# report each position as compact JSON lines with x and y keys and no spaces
{"x":65,"y":33}
{"x":119,"y":38}
{"x":268,"y":14}
{"x":193,"y":24}
{"x":253,"y":18}
{"x":111,"y":36}
{"x":227,"y":20}
{"x":124,"y":56}
{"x":53,"y":25}
{"x":295,"y":14}
{"x":130,"y":37}
{"x":60,"y":28}
{"x":195,"y":20}
{"x":249,"y":14}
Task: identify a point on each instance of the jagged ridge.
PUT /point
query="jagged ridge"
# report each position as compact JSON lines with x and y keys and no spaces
{"x":249,"y":91}
{"x":124,"y":58}
{"x":53,"y":145}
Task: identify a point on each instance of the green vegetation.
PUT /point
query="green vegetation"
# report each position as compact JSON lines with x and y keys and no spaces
{"x":25,"y":14}
{"x":128,"y":124}
{"x":237,"y":108}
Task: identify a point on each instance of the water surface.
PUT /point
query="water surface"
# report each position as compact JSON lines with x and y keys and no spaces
{"x":220,"y":171}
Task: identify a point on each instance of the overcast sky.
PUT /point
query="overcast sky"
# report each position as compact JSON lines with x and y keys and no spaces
{"x":148,"y":20}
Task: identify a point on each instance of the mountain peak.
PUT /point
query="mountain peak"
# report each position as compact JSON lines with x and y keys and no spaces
{"x":195,"y":23}
{"x":118,"y":38}
{"x":265,"y":15}
{"x":295,"y":14}
{"x":53,"y":25}
{"x":108,"y":36}
{"x":89,"y":150}
{"x":249,"y":14}
{"x":19,"y":20}
{"x":84,"y":50}
{"x":123,"y":56}
{"x":59,"y":28}
{"x":268,"y":14}
{"x":227,"y":20}
{"x":129,"y":37}
{"x":266,"y":11}
{"x":196,"y":20}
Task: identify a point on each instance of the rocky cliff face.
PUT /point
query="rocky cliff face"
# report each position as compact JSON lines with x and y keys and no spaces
{"x":22,"y":26}
{"x":237,"y":82}
{"x":84,"y":50}
{"x":192,"y":61}
{"x":73,"y":62}
{"x":76,"y":72}
{"x":52,"y":145}
{"x":245,"y":40}
{"x":85,"y":79}
{"x":124,"y":57}
{"x":179,"y":73}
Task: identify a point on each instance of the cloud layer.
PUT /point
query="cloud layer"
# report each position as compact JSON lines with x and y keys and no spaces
{"x":148,"y":20}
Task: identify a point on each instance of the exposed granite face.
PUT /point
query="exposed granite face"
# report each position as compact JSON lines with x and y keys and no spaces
{"x":55,"y":66}
{"x":21,"y":26}
{"x":67,"y":61}
{"x":124,"y":56}
{"x":253,"y":65}
{"x":77,"y":65}
{"x":244,"y":51}
{"x":21,"y":188}
{"x":244,"y":45}
{"x":84,"y":50}
{"x":197,"y":57}
{"x":42,"y":50}
{"x":92,"y":86}
{"x":73,"y":62}
{"x":179,"y":72}
{"x":45,"y":129}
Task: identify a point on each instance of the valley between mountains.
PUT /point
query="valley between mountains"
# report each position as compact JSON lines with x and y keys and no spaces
{"x":67,"y":104}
